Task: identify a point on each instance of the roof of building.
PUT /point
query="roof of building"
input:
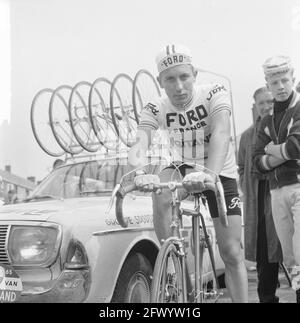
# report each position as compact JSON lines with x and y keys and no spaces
{"x":16,"y":180}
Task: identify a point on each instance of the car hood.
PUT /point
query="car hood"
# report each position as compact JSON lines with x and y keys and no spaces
{"x":40,"y":211}
{"x":78,"y":209}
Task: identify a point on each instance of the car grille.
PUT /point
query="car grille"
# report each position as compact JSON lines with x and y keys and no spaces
{"x":3,"y":254}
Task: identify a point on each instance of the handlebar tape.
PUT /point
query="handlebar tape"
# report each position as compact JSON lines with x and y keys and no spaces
{"x":119,"y":203}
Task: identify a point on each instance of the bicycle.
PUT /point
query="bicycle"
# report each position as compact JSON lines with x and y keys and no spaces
{"x":170,"y":276}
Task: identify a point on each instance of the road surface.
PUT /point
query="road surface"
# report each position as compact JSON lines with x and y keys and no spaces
{"x":284,"y":292}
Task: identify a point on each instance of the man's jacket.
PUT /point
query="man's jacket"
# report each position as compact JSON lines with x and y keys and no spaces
{"x":288,"y":137}
{"x":249,"y":180}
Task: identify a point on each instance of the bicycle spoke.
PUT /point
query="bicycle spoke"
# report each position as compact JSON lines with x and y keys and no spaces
{"x":59,"y":120}
{"x":80,"y":118}
{"x":122,"y":111}
{"x":167,"y":285}
{"x":99,"y":112}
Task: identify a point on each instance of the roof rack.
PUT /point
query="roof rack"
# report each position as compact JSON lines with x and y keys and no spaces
{"x":91,"y":118}
{"x":98,"y":118}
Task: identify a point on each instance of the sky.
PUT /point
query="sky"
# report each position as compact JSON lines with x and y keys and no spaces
{"x":47,"y":43}
{"x":5,"y":61}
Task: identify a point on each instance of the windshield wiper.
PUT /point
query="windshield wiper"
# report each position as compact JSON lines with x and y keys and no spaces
{"x":41,"y":197}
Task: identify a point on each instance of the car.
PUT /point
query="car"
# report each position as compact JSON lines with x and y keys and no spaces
{"x":65,"y":244}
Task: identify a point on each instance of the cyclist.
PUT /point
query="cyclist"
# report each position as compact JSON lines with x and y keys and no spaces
{"x":197,"y":122}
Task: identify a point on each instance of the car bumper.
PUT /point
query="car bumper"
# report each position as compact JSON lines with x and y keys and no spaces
{"x":70,"y":286}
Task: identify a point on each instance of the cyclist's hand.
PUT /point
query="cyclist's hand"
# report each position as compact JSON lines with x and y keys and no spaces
{"x":198,"y":182}
{"x":147,"y":183}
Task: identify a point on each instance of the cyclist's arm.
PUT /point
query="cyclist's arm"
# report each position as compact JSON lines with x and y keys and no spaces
{"x":137,"y":156}
{"x":219,"y":141}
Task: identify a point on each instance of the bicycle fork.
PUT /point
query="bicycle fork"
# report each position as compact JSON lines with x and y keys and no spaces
{"x":176,"y":224}
{"x":197,"y":217}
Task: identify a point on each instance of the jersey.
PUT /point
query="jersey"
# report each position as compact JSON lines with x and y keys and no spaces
{"x":188,"y":128}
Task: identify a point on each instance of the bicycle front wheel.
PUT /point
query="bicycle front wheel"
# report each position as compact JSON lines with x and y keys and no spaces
{"x":167,"y":284}
{"x":206,"y":284}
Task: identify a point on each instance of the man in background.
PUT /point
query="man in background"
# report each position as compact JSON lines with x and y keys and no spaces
{"x":261,"y":242}
{"x":277,"y":153}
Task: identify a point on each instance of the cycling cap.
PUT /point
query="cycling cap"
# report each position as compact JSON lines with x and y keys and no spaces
{"x":172,"y":55}
{"x":277,"y":65}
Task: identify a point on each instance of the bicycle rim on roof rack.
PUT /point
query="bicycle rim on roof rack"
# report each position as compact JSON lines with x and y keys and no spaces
{"x":60,"y":122}
{"x":40,"y":123}
{"x":145,"y":89}
{"x":99,"y":113}
{"x":122,"y":112}
{"x":79,"y":117}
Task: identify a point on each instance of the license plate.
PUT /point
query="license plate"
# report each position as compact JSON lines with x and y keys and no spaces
{"x":10,"y":285}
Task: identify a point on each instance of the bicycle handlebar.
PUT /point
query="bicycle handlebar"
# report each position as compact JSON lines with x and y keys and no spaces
{"x":217,"y":188}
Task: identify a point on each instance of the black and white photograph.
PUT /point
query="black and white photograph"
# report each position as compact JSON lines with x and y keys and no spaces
{"x":150,"y":153}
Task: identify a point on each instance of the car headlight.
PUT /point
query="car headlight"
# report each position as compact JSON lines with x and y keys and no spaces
{"x":33,"y":245}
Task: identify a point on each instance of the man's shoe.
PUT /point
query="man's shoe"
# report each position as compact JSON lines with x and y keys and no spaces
{"x":272,"y":299}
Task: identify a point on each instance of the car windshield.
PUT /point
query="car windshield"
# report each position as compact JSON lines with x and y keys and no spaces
{"x":86,"y":178}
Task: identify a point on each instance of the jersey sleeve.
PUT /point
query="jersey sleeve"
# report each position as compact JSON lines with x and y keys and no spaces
{"x":219,"y":99}
{"x":149,"y":117}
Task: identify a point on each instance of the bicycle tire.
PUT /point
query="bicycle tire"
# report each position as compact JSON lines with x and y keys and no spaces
{"x":80,"y":124}
{"x":139,"y":94}
{"x":102,"y":124}
{"x":73,"y":146}
{"x":159,"y":287}
{"x":209,"y":286}
{"x":125,"y":117}
{"x":208,"y":282}
{"x":34,"y":125}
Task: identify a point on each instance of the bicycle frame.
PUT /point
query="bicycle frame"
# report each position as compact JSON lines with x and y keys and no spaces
{"x":176,"y":225}
{"x":176,"y":240}
{"x":198,"y":221}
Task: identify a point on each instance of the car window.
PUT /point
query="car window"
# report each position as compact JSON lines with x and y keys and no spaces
{"x":89,"y":178}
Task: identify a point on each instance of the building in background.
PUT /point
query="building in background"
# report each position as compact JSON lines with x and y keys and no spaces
{"x":11,"y":184}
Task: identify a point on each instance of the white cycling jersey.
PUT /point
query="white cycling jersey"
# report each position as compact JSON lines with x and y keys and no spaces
{"x":188,"y":128}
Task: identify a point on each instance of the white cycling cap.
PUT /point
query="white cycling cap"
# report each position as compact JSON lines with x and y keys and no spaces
{"x":277,"y":65}
{"x":172,"y":55}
